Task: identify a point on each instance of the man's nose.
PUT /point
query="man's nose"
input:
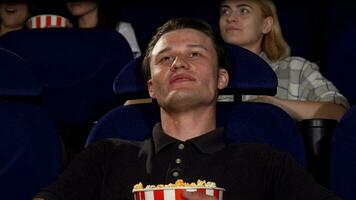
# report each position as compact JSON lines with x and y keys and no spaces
{"x":179,"y":62}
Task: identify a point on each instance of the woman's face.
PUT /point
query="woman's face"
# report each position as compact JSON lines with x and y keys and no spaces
{"x":13,"y":15}
{"x":81,"y":8}
{"x":242,"y":23}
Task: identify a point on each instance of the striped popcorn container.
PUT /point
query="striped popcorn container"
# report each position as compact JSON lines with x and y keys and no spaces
{"x":175,"y":193}
{"x":48,"y":21}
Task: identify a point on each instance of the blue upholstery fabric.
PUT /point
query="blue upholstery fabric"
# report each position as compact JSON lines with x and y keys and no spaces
{"x":132,"y":73}
{"x":249,"y":74}
{"x":298,"y":28}
{"x":341,"y":63}
{"x":243,"y":122}
{"x":147,"y":16}
{"x":30,"y":150}
{"x":16,"y":76}
{"x":343,"y":157}
{"x":76,"y":66}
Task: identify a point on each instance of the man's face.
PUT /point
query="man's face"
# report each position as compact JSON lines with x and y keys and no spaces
{"x":184,"y":70}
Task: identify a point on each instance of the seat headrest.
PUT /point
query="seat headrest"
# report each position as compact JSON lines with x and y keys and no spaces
{"x":67,"y":57}
{"x":16,"y":77}
{"x":249,"y":74}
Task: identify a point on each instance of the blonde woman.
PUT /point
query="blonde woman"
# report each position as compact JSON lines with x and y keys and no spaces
{"x":302,"y":91}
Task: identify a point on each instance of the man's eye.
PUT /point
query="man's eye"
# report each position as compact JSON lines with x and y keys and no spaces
{"x":166,"y":59}
{"x":195,"y":54}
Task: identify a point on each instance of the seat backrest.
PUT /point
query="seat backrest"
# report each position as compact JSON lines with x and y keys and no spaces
{"x":343,"y":157}
{"x":243,"y":122}
{"x":17,"y":78}
{"x":30,"y":148}
{"x":298,"y":28}
{"x":75,"y":66}
{"x":147,"y":16}
{"x":249,"y":74}
{"x":341,"y":62}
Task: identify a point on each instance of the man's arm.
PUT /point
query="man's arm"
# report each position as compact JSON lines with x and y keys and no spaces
{"x":300,"y":110}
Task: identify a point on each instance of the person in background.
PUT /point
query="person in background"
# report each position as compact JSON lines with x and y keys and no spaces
{"x":302,"y":91}
{"x":185,"y":68}
{"x":102,"y":14}
{"x":13,"y":16}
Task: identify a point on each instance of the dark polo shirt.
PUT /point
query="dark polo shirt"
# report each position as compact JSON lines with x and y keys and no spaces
{"x":108,"y":169}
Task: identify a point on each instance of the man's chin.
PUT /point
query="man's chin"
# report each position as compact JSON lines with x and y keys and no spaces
{"x":180,"y":100}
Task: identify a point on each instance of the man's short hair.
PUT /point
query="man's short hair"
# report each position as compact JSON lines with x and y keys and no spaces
{"x":184,"y":23}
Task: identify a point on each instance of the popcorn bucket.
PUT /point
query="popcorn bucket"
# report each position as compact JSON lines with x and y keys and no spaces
{"x":48,"y":21}
{"x":175,"y":193}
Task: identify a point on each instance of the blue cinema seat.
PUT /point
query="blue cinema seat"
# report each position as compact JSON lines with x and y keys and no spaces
{"x":147,"y":16}
{"x":244,"y":122}
{"x":343,"y":157}
{"x":30,"y":149}
{"x":76,"y":68}
{"x":341,"y":62}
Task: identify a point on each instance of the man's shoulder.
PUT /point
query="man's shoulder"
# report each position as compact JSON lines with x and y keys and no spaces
{"x":120,"y":144}
{"x":254,"y":151}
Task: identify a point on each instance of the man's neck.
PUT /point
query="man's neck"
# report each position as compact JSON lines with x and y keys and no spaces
{"x":90,"y":20}
{"x":186,"y":125}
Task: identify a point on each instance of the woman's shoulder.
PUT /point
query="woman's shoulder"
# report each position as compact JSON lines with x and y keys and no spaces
{"x":297,"y":63}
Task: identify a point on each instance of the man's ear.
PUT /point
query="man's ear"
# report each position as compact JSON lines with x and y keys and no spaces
{"x":223,"y":79}
{"x":267,"y":24}
{"x":150,"y":89}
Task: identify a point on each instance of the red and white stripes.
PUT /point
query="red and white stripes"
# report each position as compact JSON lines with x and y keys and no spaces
{"x":47,"y":21}
{"x":174,"y":194}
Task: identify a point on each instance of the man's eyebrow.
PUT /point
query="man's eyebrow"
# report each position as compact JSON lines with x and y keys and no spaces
{"x":197,"y":46}
{"x":238,"y":5}
{"x":164,"y":50}
{"x":243,"y":5}
{"x":189,"y":45}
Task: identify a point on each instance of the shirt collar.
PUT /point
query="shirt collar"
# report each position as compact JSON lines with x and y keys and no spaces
{"x":208,"y":143}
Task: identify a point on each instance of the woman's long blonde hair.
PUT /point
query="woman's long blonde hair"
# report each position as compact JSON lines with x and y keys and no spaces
{"x":273,"y":43}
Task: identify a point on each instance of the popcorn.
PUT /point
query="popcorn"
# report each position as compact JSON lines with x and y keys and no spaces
{"x":173,"y":191}
{"x":178,"y":183}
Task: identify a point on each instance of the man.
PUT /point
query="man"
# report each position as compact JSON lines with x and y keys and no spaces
{"x":184,"y":66}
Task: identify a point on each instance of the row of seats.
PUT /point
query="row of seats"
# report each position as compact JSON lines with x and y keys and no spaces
{"x":60,"y":94}
{"x":30,"y":148}
{"x":76,"y":69}
{"x":244,"y":122}
{"x":42,"y":135}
